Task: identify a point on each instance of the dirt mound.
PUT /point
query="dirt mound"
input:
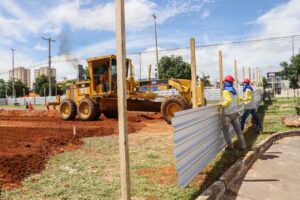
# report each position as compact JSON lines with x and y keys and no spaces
{"x":292,"y":121}
{"x":27,"y":113}
{"x":28,"y":138}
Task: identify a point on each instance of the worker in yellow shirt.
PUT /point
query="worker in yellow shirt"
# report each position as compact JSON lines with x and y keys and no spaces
{"x":250,"y":107}
{"x":230,"y":115}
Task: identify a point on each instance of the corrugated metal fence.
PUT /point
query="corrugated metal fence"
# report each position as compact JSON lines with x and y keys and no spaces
{"x":198,"y":138}
{"x":33,"y":100}
{"x":209,"y":93}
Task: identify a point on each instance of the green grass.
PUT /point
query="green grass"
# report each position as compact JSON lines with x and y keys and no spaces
{"x":92,"y":172}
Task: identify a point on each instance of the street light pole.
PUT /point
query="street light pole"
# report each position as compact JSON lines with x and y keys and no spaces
{"x":49,"y":63}
{"x":155,"y":17}
{"x":13,"y":72}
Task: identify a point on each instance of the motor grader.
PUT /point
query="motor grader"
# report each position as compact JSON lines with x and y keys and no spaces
{"x":88,"y":99}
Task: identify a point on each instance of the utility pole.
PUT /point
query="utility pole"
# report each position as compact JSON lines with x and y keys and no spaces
{"x":13,"y":72}
{"x":49,"y":63}
{"x":157,"y":73}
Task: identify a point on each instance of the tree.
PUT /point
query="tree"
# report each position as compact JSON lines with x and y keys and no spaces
{"x":41,"y":86}
{"x":63,"y":86}
{"x":265,"y":83}
{"x":285,"y":69}
{"x":205,"y":79}
{"x":292,"y":71}
{"x":2,"y":88}
{"x":173,"y":67}
{"x":86,"y":73}
{"x":20,"y":88}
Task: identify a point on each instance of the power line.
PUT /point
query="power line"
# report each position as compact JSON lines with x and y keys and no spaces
{"x":173,"y":49}
{"x":227,"y":43}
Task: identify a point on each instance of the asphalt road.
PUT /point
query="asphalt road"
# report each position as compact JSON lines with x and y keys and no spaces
{"x":275,"y":175}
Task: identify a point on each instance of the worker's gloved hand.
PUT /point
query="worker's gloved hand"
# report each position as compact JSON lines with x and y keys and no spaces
{"x":220,"y":107}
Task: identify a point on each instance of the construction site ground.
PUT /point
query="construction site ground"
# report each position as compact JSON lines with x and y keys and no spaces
{"x":41,"y":158}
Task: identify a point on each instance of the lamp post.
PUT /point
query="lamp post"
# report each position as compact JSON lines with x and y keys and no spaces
{"x":155,"y":29}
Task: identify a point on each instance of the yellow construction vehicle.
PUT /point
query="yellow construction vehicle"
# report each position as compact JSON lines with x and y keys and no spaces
{"x":88,"y":99}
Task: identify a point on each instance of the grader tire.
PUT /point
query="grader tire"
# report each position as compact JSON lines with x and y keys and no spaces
{"x":98,"y":112}
{"x":87,"y":110}
{"x":171,"y":105}
{"x":111,"y":114}
{"x":68,"y":110}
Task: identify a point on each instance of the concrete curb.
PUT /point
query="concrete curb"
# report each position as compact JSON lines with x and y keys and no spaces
{"x":229,"y":181}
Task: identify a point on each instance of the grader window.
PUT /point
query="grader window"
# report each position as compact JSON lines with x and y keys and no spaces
{"x":114,"y":73}
{"x":114,"y":67}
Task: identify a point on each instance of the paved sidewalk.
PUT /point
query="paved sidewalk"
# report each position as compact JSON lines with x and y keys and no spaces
{"x":276,"y":174}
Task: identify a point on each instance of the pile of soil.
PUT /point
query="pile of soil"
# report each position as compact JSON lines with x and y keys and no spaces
{"x":28,"y":138}
{"x":33,"y":113}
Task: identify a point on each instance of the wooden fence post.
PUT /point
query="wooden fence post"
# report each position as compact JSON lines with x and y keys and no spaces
{"x":236,"y":74}
{"x":221,"y":72}
{"x":194,"y":73}
{"x":249,"y":71}
{"x":257,"y":77}
{"x":122,"y":100}
{"x":243,"y":73}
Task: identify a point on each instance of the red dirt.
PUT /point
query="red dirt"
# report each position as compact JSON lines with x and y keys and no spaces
{"x":27,"y":139}
{"x":161,"y":175}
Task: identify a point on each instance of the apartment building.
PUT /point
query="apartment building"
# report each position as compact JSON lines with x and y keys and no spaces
{"x":22,"y":74}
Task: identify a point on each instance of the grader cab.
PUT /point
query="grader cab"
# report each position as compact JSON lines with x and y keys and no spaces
{"x":88,"y":99}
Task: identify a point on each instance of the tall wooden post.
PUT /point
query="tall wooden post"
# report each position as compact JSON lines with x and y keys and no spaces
{"x":243,"y":73}
{"x":194,"y":72}
{"x":122,"y":100}
{"x":149,"y":72}
{"x":236,"y":74}
{"x":253,"y":75}
{"x":257,"y":77}
{"x":249,"y":71}
{"x":221,"y":72}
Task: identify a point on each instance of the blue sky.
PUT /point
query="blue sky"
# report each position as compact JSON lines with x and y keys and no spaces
{"x":84,"y":28}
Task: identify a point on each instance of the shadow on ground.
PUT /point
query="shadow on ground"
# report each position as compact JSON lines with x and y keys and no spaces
{"x":228,"y":158}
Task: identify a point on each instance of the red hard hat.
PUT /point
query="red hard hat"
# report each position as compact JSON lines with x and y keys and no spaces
{"x":247,"y":81}
{"x":229,"y":78}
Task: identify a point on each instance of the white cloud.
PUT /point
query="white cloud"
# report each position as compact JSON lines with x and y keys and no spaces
{"x":205,"y":14}
{"x":79,"y":16}
{"x":20,"y":25}
{"x":40,"y":47}
{"x":282,"y":20}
